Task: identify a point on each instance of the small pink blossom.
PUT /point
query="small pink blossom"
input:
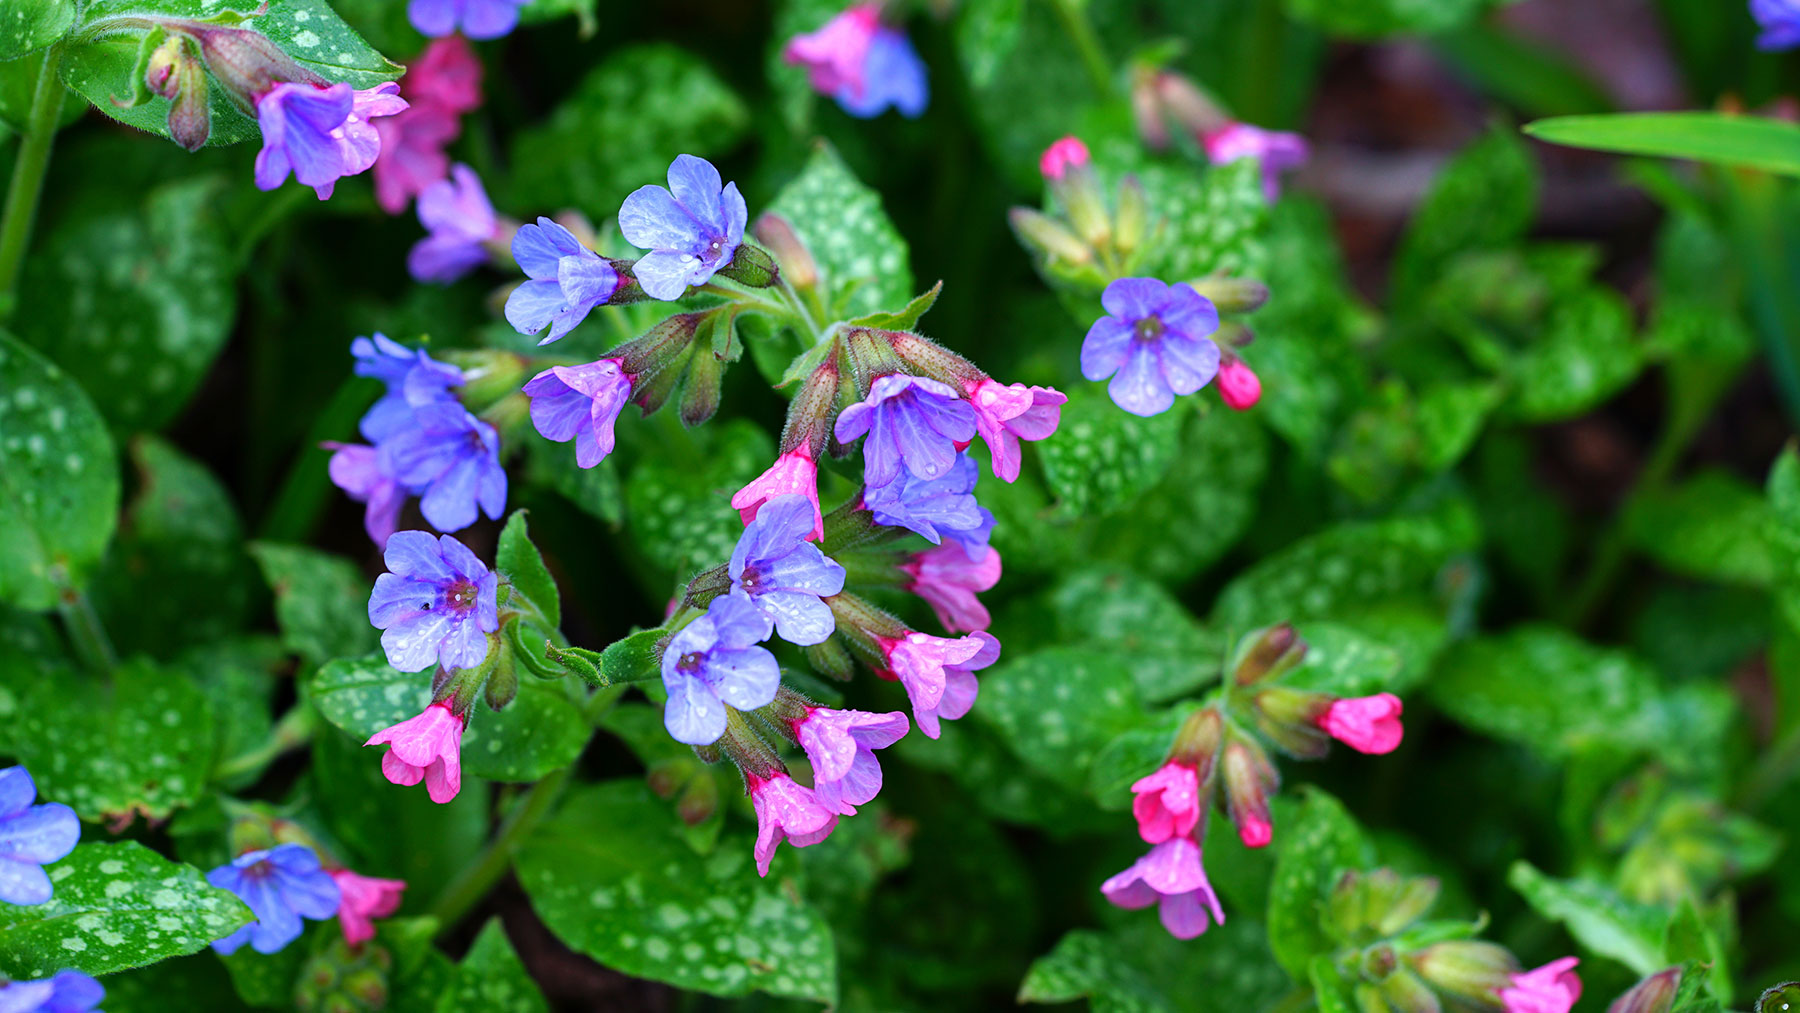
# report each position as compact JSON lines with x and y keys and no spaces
{"x":1004,"y":415}
{"x":1065,"y":154}
{"x":948,"y":579}
{"x":1367,"y":724}
{"x":939,"y":673}
{"x":362,"y":899}
{"x":792,"y":473}
{"x":841,"y":746}
{"x":1552,"y":988}
{"x":1239,"y":387}
{"x":787,"y":811}
{"x":1255,"y":830}
{"x":447,"y":74}
{"x":412,"y":153}
{"x":1172,"y":875}
{"x":428,"y":748}
{"x":1167,"y":803}
{"x":1278,"y":151}
{"x":835,"y":55}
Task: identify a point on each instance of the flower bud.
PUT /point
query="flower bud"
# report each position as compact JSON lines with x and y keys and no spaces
{"x":795,"y":260}
{"x":1270,"y":653}
{"x":1048,"y":237}
{"x":1187,"y":105}
{"x":1408,"y":904}
{"x":1249,"y":780}
{"x":1133,"y":217}
{"x":190,"y":116}
{"x":699,"y":801}
{"x":701,"y":397}
{"x":660,"y":348}
{"x":831,"y":659}
{"x":1147,"y":109}
{"x":1289,"y":717}
{"x":1400,"y":992}
{"x":502,"y":684}
{"x":162,"y":70}
{"x":1233,"y":334}
{"x":1062,"y":157}
{"x":1078,"y":191}
{"x":751,"y":266}
{"x":813,"y":410}
{"x":489,"y":374}
{"x":1233,"y":295}
{"x":1655,"y":994}
{"x":872,"y":357}
{"x":245,"y":62}
{"x":933,"y":361}
{"x":1239,"y":386}
{"x":1466,"y":969}
{"x":1197,"y":742}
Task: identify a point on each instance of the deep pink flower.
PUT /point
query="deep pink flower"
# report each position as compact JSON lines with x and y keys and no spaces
{"x":792,"y":473}
{"x":1277,"y":151}
{"x":412,"y":153}
{"x":1239,"y":387}
{"x":1065,"y":154}
{"x":447,"y":74}
{"x":1167,"y":803}
{"x":939,"y":673}
{"x":786,"y":811}
{"x":1552,"y":988}
{"x":1367,"y":724}
{"x":1172,"y":874}
{"x":948,"y":579}
{"x":841,"y":746}
{"x":427,"y":747}
{"x":362,"y":899}
{"x":835,"y":55}
{"x":1004,"y":415}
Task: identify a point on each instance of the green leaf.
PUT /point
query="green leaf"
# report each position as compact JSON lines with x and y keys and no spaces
{"x":973,"y":754}
{"x":1370,"y":19}
{"x":1713,"y":526}
{"x":491,"y":977}
{"x":1751,"y":142}
{"x":597,"y":490}
{"x":1321,"y":840}
{"x":1330,"y":992}
{"x":143,"y":744}
{"x":1087,"y":965}
{"x":1597,"y":917}
{"x":1450,"y":417}
{"x":1103,"y":457}
{"x":238,"y":678}
{"x":904,"y":320}
{"x":1343,"y":661}
{"x":519,"y":561}
{"x":540,"y":731}
{"x":1057,"y":708}
{"x":636,"y":658}
{"x":986,"y":32}
{"x":32,"y":24}
{"x":1129,"y":756}
{"x":321,"y":601}
{"x":1211,"y":223}
{"x":1585,"y":354}
{"x":679,"y":506}
{"x":1484,"y":198}
{"x":863,"y":265}
{"x":1132,"y":616}
{"x":539,"y":12}
{"x":116,"y":906}
{"x":611,"y":875}
{"x":59,"y":480}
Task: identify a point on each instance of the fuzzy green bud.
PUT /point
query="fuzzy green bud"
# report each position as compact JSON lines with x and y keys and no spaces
{"x":1467,"y":969}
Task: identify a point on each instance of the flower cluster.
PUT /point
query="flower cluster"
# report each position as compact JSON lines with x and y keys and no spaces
{"x":440,"y":86}
{"x":868,"y":67}
{"x":292,"y":878}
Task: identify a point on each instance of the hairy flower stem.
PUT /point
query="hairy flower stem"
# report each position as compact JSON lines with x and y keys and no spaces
{"x":1087,"y":43}
{"x":295,"y":729}
{"x":28,"y":178}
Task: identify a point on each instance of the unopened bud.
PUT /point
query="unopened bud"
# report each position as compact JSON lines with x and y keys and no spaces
{"x":751,"y":266}
{"x":1078,"y":191}
{"x":1064,"y":156}
{"x":1466,"y":968}
{"x":246,"y":63}
{"x":1655,"y":994}
{"x":1197,"y":742}
{"x":795,"y":260}
{"x":1249,"y":780}
{"x":1048,"y":237}
{"x":489,"y":374}
{"x":701,"y":397}
{"x":929,"y":359}
{"x":872,"y":357}
{"x":667,"y":777}
{"x":1400,"y":992}
{"x":1233,"y":295}
{"x":1133,"y":217}
{"x":190,"y":115}
{"x":162,"y":70}
{"x":1408,"y":904}
{"x":811,"y":412}
{"x":1268,"y":653}
{"x":1147,"y":109}
{"x":701,"y":799}
{"x":368,"y":986}
{"x":1239,"y":386}
{"x":1290,"y":718}
{"x":831,"y":659}
{"x":1187,"y":105}
{"x":660,"y":348}
{"x":1233,"y":334}
{"x":502,"y":683}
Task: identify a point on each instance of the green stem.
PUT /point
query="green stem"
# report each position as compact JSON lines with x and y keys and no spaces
{"x":295,"y":729}
{"x":1081,"y":33}
{"x":28,"y":177}
{"x":1777,"y":766}
{"x":82,"y":624}
{"x":273,"y":211}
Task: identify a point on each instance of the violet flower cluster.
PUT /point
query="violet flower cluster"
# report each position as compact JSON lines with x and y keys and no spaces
{"x":288,"y":883}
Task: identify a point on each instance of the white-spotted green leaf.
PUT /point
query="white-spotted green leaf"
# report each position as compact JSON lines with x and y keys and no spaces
{"x":491,"y":978}
{"x":321,"y":601}
{"x":862,"y":260}
{"x":26,"y":25}
{"x":1057,"y":708}
{"x":1104,"y":457}
{"x":678,"y":503}
{"x":1087,"y":965}
{"x":1320,"y":840}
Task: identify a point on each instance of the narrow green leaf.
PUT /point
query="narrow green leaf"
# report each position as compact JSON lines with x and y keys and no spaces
{"x":1719,"y":138}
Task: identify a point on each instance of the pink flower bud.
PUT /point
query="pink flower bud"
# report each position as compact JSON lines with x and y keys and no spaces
{"x":361,"y":899}
{"x":1239,"y":387}
{"x":1065,"y":154}
{"x":1249,"y":780}
{"x":428,"y":748}
{"x":1167,"y":803}
{"x":1552,"y":988}
{"x":1367,"y":724}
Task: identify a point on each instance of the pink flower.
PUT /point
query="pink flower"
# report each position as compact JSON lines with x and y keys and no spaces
{"x":1167,"y":803}
{"x":447,"y":74}
{"x":1238,"y":386}
{"x":947,"y":579}
{"x":1276,"y":150}
{"x":792,"y":473}
{"x":1065,"y":154}
{"x":835,"y":55}
{"x":939,"y":673}
{"x":427,"y":747}
{"x":1367,"y":724}
{"x":1004,"y":415}
{"x":841,"y":746}
{"x":786,"y":811}
{"x":1172,"y":874}
{"x":1552,"y":988}
{"x":412,"y":153}
{"x":361,"y":899}
{"x":320,"y":133}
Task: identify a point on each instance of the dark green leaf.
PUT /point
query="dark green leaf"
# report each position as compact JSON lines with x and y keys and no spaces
{"x":1057,"y":708}
{"x":1211,"y":223}
{"x":1087,"y":965}
{"x":491,"y":977}
{"x":519,"y":561}
{"x":1321,"y":840}
{"x":1585,"y":354}
{"x":863,"y":265}
{"x":321,"y":601}
{"x":31,"y":24}
{"x":1103,"y":457}
{"x":1713,"y":526}
{"x":637,"y":658}
{"x":1483,"y":198}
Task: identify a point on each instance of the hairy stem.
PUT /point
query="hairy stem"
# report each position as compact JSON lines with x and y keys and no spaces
{"x":295,"y":729}
{"x":28,"y":178}
{"x":1087,"y":44}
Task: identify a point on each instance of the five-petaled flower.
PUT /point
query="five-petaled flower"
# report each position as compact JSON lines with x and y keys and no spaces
{"x":784,"y":575}
{"x":1367,"y":724}
{"x":436,"y":605}
{"x":936,"y":509}
{"x":1552,"y":988}
{"x":786,"y":811}
{"x":281,"y":885}
{"x":453,"y":459}
{"x":1780,"y":22}
{"x":1004,"y":415}
{"x":841,"y":746}
{"x":948,"y":577}
{"x":478,"y":19}
{"x":363,"y":899}
{"x":938,"y":674}
{"x":413,"y":379}
{"x":691,"y":228}
{"x":580,"y":403}
{"x":426,"y":747}
{"x":567,"y":281}
{"x":460,"y":222}
{"x":1172,"y":875}
{"x":320,"y":133}
{"x":911,"y":423}
{"x":31,"y":837}
{"x":1167,"y":802}
{"x":714,"y":662}
{"x":1154,"y":342}
{"x":64,"y":992}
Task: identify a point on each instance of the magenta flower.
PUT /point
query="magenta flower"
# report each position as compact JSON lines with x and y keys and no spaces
{"x":1065,"y":154}
{"x":580,"y":403}
{"x":1239,"y":387}
{"x":460,"y":221}
{"x":1167,"y":803}
{"x":437,"y":604}
{"x":363,"y":899}
{"x":1367,"y":724}
{"x":453,"y":459}
{"x":478,"y":19}
{"x":784,"y":575}
{"x":320,"y":133}
{"x":835,"y":54}
{"x":1153,"y":343}
{"x":912,"y":423}
{"x":427,"y":747}
{"x":793,"y":474}
{"x":412,"y":153}
{"x":1004,"y":415}
{"x":447,"y":75}
{"x":1552,"y":988}
{"x":939,"y":674}
{"x":948,"y":579}
{"x":715,"y":662}
{"x":1171,"y":874}
{"x":356,"y":469}
{"x":281,"y":885}
{"x":567,"y":281}
{"x":66,"y":992}
{"x":691,"y":228}
{"x":841,"y":746}
{"x":31,"y":837}
{"x":936,"y":509}
{"x":786,"y":811}
{"x":1277,"y":151}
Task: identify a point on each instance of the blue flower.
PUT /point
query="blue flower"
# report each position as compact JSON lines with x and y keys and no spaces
{"x":936,"y":508}
{"x":784,"y":575}
{"x":567,"y":281}
{"x":912,"y":423}
{"x":412,"y":376}
{"x":460,"y":219}
{"x":31,"y":837}
{"x":453,"y":459}
{"x":691,"y":229}
{"x":436,"y":604}
{"x":478,"y":19}
{"x":281,"y":886}
{"x":714,"y":662}
{"x":1780,"y":21}
{"x":67,"y":992}
{"x":1154,"y":343}
{"x":893,"y":75}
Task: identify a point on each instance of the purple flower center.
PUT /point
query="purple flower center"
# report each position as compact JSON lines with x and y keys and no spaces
{"x":460,"y":596}
{"x":751,"y":578}
{"x":690,"y":663}
{"x":1148,"y":329}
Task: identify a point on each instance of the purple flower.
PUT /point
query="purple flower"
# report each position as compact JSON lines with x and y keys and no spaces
{"x":357,"y":470}
{"x":893,"y":75}
{"x":714,"y":662}
{"x":453,"y":458}
{"x":478,"y":19}
{"x":580,"y":403}
{"x":282,"y":885}
{"x":436,"y":605}
{"x":31,"y":837}
{"x":691,"y":229}
{"x":841,"y":746}
{"x":911,"y":422}
{"x":67,"y":992}
{"x":937,"y":508}
{"x":413,"y":378}
{"x":320,"y":133}
{"x":1153,"y":344}
{"x":1277,"y":151}
{"x":938,"y":673}
{"x":1780,"y":21}
{"x":1004,"y":415}
{"x":461,"y":221}
{"x":567,"y":281}
{"x":1172,"y":874}
{"x":861,"y":63}
{"x":783,"y":574}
